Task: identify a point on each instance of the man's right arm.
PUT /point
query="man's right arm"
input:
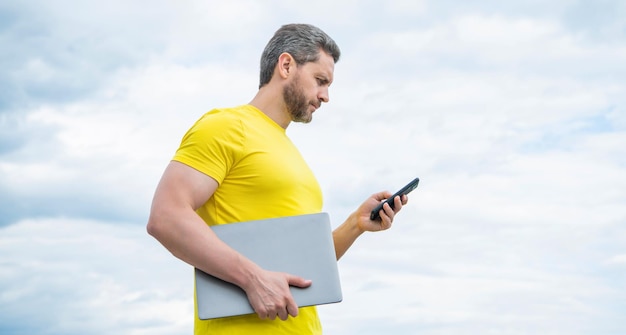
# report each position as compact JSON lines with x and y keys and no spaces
{"x":174,"y":222}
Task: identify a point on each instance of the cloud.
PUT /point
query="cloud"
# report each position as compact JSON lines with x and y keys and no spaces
{"x":81,"y":110}
{"x":71,"y":275}
{"x":57,"y":55}
{"x":109,"y":148}
{"x":462,"y":276}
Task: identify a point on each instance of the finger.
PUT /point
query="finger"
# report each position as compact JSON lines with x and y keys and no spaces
{"x":262,"y":314}
{"x":390,"y":212}
{"x":405,"y":199}
{"x":380,"y":196}
{"x":292,"y":308}
{"x":385,"y":223}
{"x":282,"y":314}
{"x":397,"y":204}
{"x":298,"y":281}
{"x":386,"y":217}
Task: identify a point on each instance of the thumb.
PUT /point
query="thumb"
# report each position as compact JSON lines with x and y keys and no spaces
{"x":298,"y":281}
{"x":380,"y":196}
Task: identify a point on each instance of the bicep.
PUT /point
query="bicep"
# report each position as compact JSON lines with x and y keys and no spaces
{"x":183,"y":186}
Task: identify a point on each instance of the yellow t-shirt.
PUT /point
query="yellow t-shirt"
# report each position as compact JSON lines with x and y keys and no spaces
{"x":261,"y":174}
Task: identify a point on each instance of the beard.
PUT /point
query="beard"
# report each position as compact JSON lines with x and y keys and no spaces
{"x":296,"y":102}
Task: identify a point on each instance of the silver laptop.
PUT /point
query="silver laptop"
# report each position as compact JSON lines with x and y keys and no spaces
{"x":301,"y":245}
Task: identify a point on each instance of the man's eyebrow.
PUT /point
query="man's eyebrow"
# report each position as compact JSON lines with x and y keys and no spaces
{"x":323,"y":79}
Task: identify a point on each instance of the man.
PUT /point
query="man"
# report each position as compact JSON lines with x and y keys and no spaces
{"x":237,"y":164}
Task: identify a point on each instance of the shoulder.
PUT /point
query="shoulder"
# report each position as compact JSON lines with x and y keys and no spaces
{"x":220,"y":117}
{"x":214,"y":143}
{"x":226,"y":123}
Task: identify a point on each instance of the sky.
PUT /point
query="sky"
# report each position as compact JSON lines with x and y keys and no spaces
{"x":511,"y":113}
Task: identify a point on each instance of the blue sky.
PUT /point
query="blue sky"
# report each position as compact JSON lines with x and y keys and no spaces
{"x":513,"y":114}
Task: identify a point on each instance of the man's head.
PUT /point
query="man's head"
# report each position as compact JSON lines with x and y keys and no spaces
{"x":302,"y":41}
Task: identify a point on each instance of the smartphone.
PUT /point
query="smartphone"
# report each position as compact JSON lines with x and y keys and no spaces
{"x":405,"y":190}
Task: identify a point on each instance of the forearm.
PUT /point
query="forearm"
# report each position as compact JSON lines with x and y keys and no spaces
{"x":345,"y":235}
{"x":188,"y":238}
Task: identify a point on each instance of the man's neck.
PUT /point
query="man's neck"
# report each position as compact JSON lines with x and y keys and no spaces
{"x":271,"y":104}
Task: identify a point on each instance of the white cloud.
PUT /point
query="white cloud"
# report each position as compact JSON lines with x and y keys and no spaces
{"x":73,"y":275}
{"x":123,"y":136}
{"x":618,"y":260}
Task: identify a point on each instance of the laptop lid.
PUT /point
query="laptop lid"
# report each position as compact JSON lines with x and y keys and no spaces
{"x":301,"y":245}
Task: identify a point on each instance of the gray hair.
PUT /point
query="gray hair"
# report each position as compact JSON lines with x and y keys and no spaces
{"x":302,"y":41}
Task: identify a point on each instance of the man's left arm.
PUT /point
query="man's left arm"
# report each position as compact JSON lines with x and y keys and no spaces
{"x":359,"y":221}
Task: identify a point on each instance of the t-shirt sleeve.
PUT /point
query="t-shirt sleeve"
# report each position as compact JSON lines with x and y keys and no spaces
{"x":212,"y":145}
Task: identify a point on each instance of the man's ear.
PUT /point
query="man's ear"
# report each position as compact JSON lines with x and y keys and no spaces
{"x":286,"y":65}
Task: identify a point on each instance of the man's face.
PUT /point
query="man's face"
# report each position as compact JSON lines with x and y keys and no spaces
{"x":308,"y":88}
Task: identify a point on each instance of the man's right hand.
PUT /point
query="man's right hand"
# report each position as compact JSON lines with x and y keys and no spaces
{"x":269,"y":295}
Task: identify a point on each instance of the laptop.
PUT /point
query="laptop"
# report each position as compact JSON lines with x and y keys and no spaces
{"x":301,"y":245}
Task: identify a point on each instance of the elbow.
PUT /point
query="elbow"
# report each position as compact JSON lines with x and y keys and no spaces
{"x":151,"y":227}
{"x":155,"y":226}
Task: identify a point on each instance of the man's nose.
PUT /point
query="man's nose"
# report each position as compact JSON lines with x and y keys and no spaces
{"x":323,"y":95}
